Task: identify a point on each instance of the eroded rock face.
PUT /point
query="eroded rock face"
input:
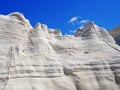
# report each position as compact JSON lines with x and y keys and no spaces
{"x":40,"y":58}
{"x":116,"y":34}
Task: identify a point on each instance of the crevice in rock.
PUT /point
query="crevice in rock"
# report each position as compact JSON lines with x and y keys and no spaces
{"x":117,"y":79}
{"x":12,"y":58}
{"x":67,"y":71}
{"x":77,"y":86}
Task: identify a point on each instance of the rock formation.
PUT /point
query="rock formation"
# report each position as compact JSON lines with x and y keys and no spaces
{"x":40,"y":58}
{"x":116,"y":34}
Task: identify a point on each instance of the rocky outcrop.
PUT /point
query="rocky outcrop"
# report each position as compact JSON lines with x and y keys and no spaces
{"x":40,"y":58}
{"x":116,"y":34}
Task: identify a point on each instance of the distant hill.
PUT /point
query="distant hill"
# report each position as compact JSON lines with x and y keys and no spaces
{"x":116,"y":34}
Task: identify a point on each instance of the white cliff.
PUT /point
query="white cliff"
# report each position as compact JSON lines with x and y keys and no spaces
{"x":42,"y":59}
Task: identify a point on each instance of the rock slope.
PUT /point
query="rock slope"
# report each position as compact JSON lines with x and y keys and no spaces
{"x":116,"y":34}
{"x":40,"y":58}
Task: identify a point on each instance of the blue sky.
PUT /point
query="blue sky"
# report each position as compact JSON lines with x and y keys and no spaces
{"x":66,"y":15}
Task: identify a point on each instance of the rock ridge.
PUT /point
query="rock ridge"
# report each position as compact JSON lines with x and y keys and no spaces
{"x":40,"y":58}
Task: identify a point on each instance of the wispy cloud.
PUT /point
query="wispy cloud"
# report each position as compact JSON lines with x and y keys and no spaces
{"x":77,"y":21}
{"x":73,"y":19}
{"x":85,"y":21}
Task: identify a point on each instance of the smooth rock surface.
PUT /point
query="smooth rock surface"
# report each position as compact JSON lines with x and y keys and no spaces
{"x":40,"y":58}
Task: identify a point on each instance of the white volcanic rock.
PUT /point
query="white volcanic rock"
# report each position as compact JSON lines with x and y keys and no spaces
{"x":41,"y":58}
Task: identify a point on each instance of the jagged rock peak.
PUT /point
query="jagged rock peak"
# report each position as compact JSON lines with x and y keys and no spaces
{"x":92,"y":31}
{"x":38,"y":26}
{"x":20,"y":18}
{"x":88,"y":27}
{"x":90,"y":24}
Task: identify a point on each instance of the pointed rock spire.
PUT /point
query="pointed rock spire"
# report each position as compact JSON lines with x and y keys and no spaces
{"x":38,"y":26}
{"x":92,"y":31}
{"x":86,"y":30}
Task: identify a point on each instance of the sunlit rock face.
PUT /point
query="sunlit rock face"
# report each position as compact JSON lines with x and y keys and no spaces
{"x":40,"y":58}
{"x":116,"y":34}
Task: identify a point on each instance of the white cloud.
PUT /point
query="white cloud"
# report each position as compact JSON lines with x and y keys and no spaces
{"x":73,"y":19}
{"x":76,"y":20}
{"x":84,"y":21}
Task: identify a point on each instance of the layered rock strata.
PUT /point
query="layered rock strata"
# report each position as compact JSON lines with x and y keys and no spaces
{"x":40,"y":58}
